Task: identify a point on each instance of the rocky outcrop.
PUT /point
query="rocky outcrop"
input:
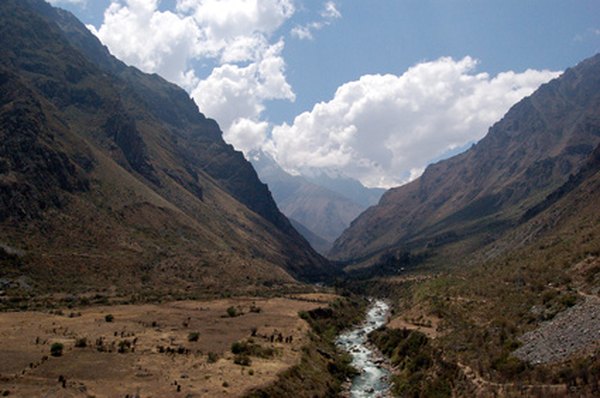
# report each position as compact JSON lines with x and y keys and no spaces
{"x":571,"y":331}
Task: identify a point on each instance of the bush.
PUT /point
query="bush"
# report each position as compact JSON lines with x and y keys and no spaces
{"x":242,"y":359}
{"x":109,"y":318}
{"x":237,"y":347}
{"x":255,"y":309}
{"x":231,"y":311}
{"x":213,"y":357}
{"x":81,"y":342}
{"x":124,"y":346}
{"x":56,"y":349}
{"x":255,"y":350}
{"x":194,"y":336}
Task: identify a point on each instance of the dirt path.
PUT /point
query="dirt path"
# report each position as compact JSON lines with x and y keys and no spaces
{"x":486,"y":388}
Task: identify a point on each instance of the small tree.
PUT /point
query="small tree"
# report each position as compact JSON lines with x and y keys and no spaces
{"x":56,"y":349}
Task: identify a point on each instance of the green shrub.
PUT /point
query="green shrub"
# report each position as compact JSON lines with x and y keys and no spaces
{"x":213,"y":357}
{"x":242,"y":359}
{"x":56,"y":349}
{"x":194,"y":336}
{"x":232,"y":312}
{"x":81,"y":342}
{"x":255,"y":350}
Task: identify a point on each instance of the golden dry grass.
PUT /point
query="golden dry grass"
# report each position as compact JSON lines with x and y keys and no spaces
{"x":146,"y":371}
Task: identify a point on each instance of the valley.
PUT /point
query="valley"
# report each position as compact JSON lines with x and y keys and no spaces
{"x":142,"y":255}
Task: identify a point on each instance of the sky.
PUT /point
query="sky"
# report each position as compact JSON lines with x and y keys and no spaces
{"x":374,"y":90}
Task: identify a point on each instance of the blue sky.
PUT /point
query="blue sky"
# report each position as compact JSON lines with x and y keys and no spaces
{"x":373,"y":89}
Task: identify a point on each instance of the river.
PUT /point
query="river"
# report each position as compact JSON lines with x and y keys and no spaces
{"x":374,"y":379}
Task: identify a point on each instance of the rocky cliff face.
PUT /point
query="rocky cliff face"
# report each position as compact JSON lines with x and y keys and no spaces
{"x":136,"y":187}
{"x":464,"y":202}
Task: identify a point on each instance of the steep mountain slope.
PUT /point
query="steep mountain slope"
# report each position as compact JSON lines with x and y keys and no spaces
{"x":568,"y":215}
{"x":324,"y":212}
{"x":522,"y":310}
{"x":319,"y":244}
{"x":111,"y":177}
{"x":464,"y":202}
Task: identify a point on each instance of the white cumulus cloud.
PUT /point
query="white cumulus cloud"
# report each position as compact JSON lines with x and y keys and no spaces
{"x":235,"y":96}
{"x":234,"y":35}
{"x":154,"y":41}
{"x":383,"y":129}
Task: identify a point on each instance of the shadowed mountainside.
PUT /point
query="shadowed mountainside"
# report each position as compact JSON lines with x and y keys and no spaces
{"x":111,"y":177}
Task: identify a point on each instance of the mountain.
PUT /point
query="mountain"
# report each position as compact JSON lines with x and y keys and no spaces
{"x":347,"y":187}
{"x":321,"y":206}
{"x":522,"y":310}
{"x":112,"y":178}
{"x":463,"y":203}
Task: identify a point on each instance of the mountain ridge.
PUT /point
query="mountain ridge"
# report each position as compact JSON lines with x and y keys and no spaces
{"x":131,"y":196}
{"x":470,"y":199}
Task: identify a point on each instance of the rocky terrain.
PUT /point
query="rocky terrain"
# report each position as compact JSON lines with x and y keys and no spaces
{"x":570,"y":332}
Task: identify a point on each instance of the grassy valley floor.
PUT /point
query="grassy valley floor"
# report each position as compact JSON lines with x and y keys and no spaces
{"x":181,"y":348}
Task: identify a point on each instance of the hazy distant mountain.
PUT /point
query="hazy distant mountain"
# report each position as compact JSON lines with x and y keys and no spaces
{"x":467,"y":201}
{"x":323,"y":205}
{"x":347,"y":187}
{"x":111,"y":177}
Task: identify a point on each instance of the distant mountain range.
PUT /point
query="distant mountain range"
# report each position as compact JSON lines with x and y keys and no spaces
{"x":320,"y":206}
{"x":466,"y":202}
{"x":112,"y":178}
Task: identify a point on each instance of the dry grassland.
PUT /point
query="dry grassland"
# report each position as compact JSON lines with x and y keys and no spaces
{"x":157,"y":358}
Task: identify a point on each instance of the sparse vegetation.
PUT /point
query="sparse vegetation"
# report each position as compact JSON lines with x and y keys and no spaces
{"x":193,"y":336}
{"x":322,"y":368}
{"x":109,"y":318}
{"x":252,"y":349}
{"x":422,"y":371}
